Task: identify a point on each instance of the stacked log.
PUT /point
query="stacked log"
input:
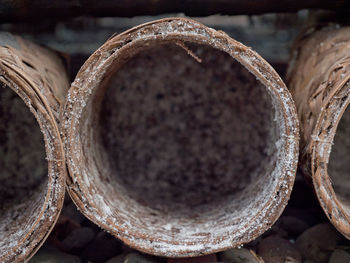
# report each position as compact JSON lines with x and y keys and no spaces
{"x":179,"y":140}
{"x":34,"y":84}
{"x":318,"y":77}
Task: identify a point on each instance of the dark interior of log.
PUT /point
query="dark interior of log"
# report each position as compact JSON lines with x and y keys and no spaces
{"x":23,"y":168}
{"x":188,"y":134}
{"x":338,"y":165}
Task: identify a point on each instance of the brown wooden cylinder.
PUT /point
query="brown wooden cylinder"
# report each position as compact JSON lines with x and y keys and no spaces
{"x":318,"y":77}
{"x":32,"y":167}
{"x":179,"y":140}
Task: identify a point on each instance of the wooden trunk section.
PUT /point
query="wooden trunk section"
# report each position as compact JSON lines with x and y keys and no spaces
{"x":32,"y":167}
{"x":179,"y":140}
{"x":318,"y":77}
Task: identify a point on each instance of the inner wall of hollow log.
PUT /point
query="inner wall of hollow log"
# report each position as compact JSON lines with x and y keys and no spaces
{"x":339,"y":165}
{"x":22,"y":152}
{"x":23,"y":169}
{"x":169,"y":126}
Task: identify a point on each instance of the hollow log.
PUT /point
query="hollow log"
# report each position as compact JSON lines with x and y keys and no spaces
{"x":179,"y":140}
{"x":318,"y":76}
{"x":32,"y":166}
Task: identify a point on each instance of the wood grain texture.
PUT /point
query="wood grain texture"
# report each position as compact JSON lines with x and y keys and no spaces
{"x":318,"y":77}
{"x":38,"y":77}
{"x":211,"y":226}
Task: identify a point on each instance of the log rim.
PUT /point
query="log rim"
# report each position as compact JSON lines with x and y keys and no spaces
{"x":255,"y":64}
{"x":15,"y":76}
{"x":321,"y":150}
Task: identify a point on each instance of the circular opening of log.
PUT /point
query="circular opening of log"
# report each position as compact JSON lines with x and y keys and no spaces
{"x":339,"y":166}
{"x":187,"y":138}
{"x":23,"y":169}
{"x":174,"y":146}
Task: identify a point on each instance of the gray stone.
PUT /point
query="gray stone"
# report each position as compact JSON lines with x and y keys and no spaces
{"x":294,"y":226}
{"x":339,"y":256}
{"x":78,"y":238}
{"x":53,"y":255}
{"x":274,"y":249}
{"x":239,"y":255}
{"x":318,"y":242}
{"x":117,"y":259}
{"x":130,"y":258}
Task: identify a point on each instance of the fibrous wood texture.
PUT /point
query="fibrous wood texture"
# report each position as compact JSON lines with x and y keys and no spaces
{"x":179,"y":140}
{"x":34,"y":84}
{"x":318,"y":77}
